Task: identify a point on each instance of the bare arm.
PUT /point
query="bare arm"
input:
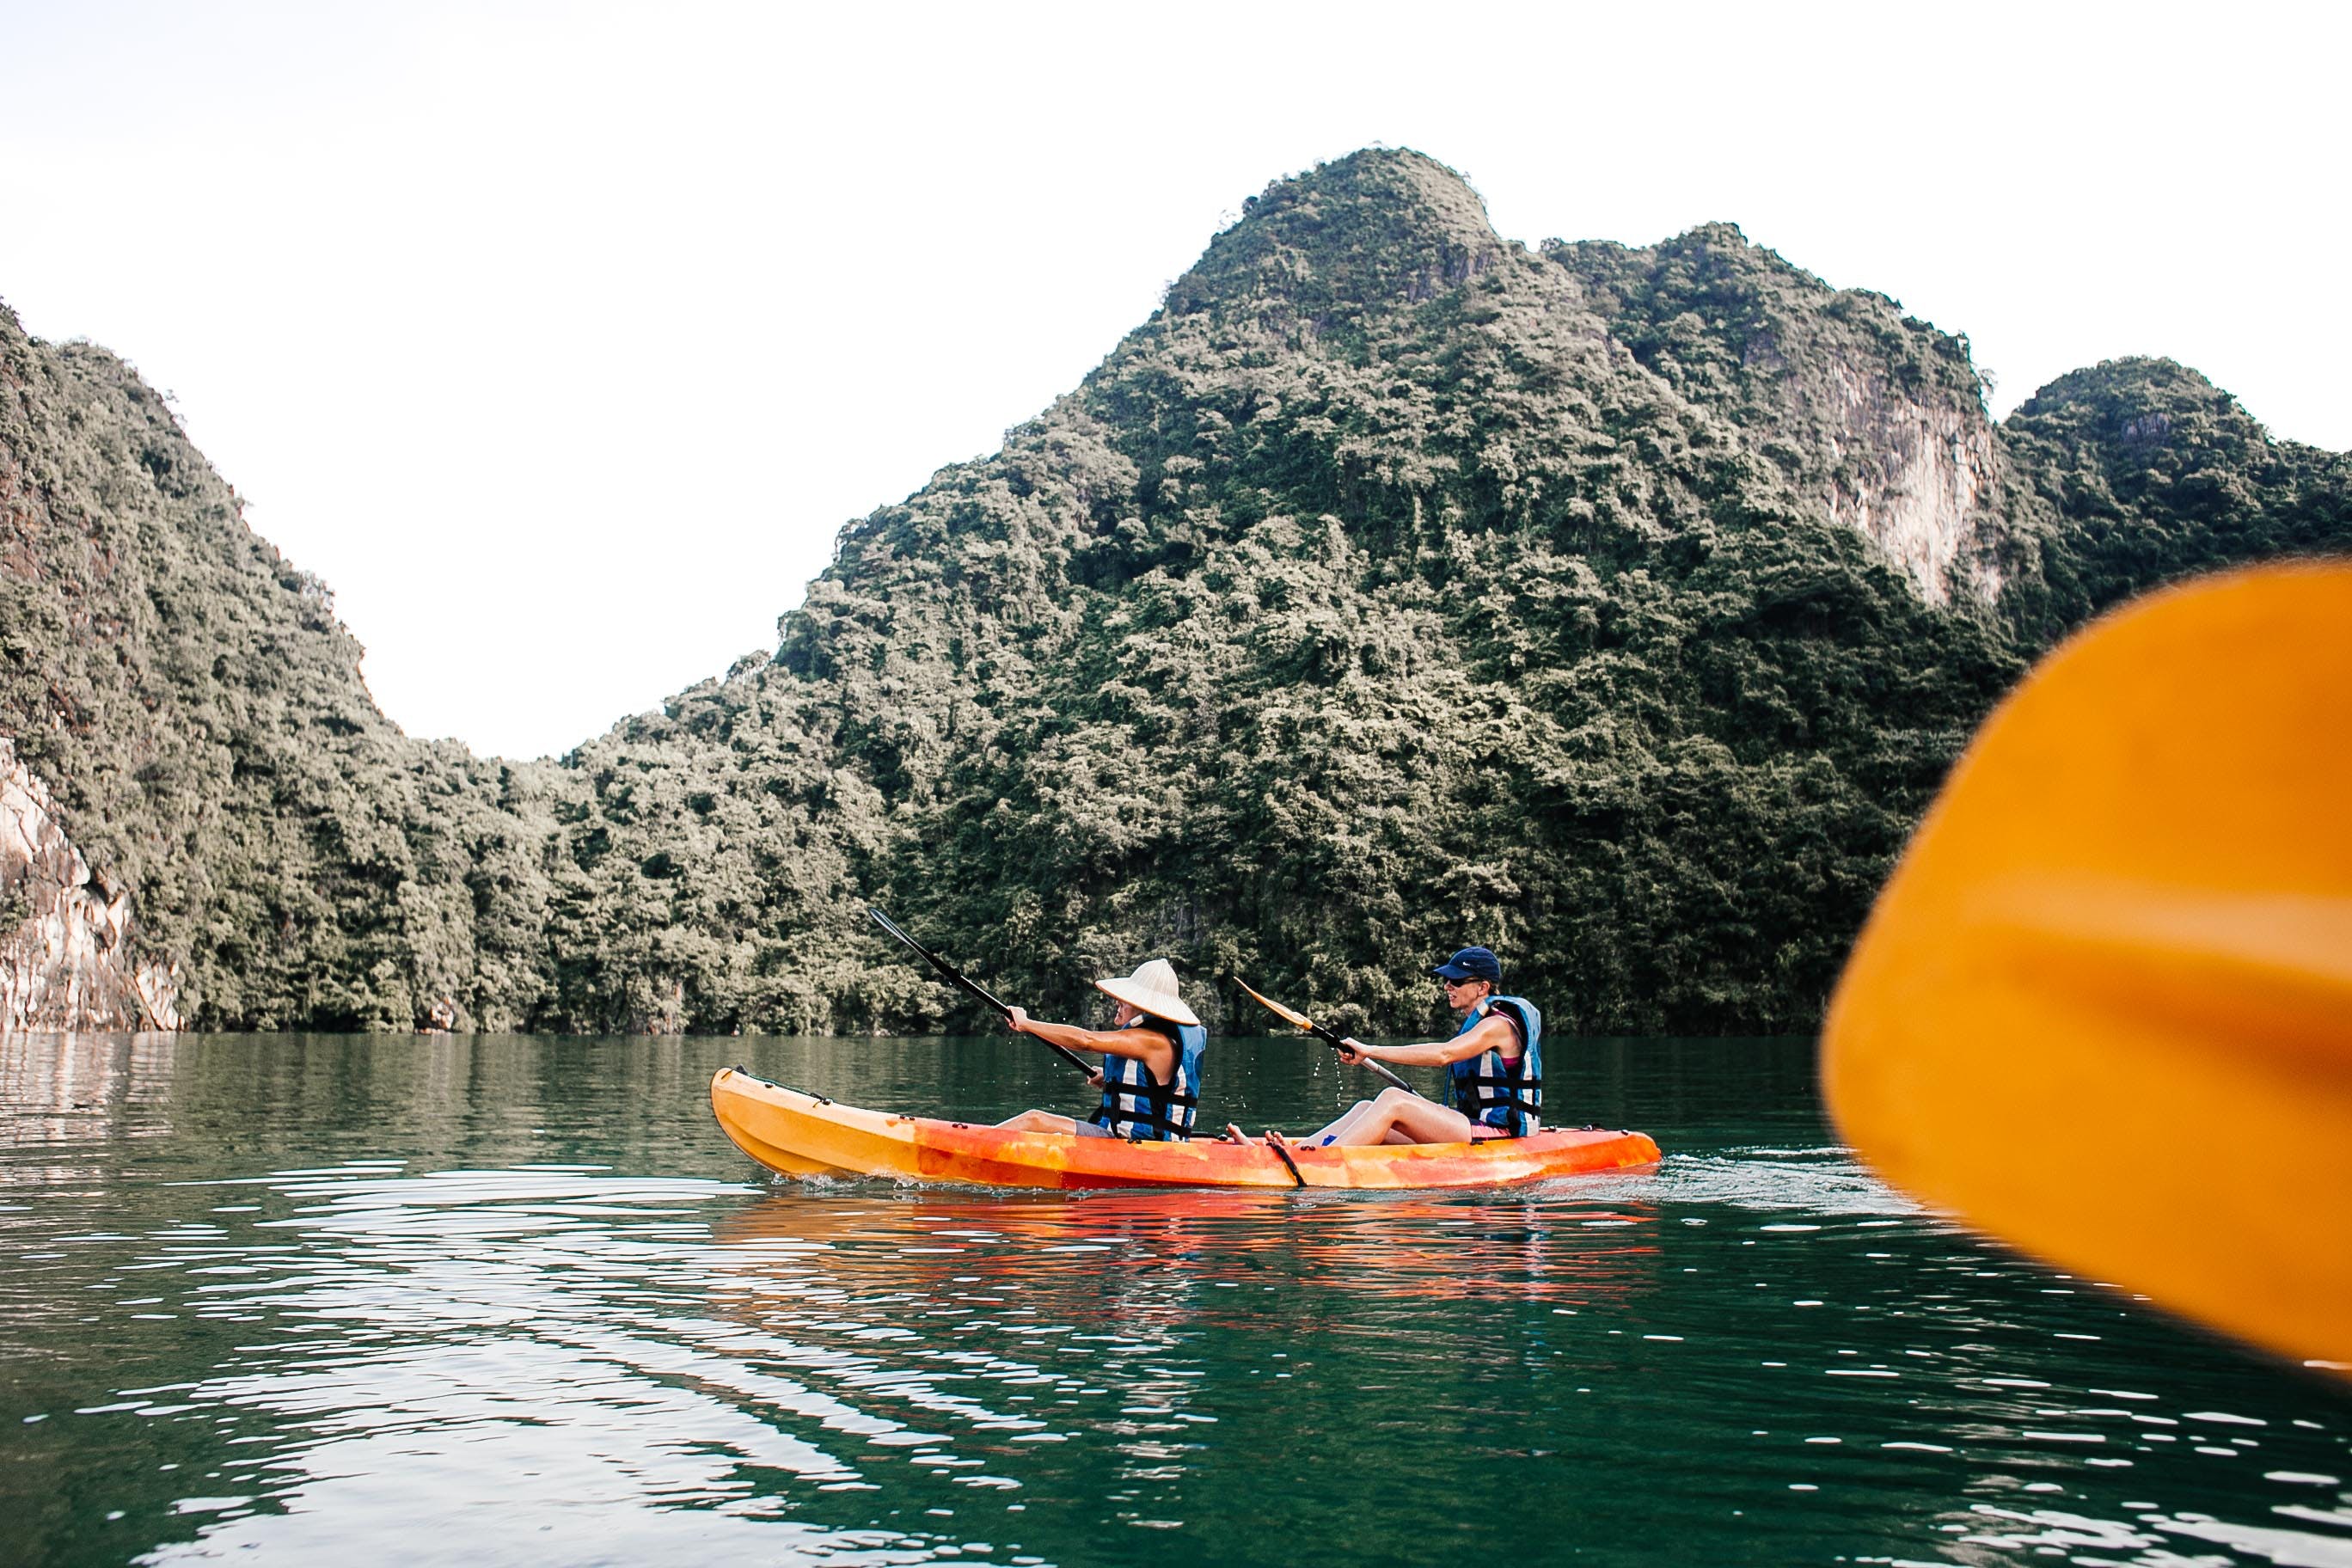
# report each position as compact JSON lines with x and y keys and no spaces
{"x":1148,"y":1047}
{"x":1494,"y":1033}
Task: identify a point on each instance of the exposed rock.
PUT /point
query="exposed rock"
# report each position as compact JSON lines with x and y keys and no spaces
{"x":1876,"y":417}
{"x":1919,"y":477}
{"x":65,"y":961}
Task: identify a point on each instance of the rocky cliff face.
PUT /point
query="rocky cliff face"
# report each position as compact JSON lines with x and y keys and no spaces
{"x":1879,"y":418}
{"x":1919,"y":479}
{"x":66,"y":957}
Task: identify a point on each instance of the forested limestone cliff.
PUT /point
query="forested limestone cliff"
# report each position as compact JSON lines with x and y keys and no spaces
{"x":1394,"y":586}
{"x":196,"y":712}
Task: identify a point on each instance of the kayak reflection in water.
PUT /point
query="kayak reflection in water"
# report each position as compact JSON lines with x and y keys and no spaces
{"x":1494,"y":1070}
{"x":1150,"y":1076}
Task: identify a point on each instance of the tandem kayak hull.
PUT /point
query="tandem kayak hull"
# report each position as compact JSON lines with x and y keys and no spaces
{"x":799,"y":1135}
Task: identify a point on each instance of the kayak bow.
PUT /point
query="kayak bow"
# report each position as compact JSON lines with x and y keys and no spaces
{"x":800,"y":1134}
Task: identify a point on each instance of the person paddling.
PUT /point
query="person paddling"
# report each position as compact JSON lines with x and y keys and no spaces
{"x":1494,"y":1070}
{"x":1150,"y":1075}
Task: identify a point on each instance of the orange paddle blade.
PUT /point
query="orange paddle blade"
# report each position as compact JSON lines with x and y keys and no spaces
{"x":2104,"y":1006}
{"x":1276,"y":1008}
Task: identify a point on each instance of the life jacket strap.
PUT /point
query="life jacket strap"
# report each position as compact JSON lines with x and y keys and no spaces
{"x":1496,"y":1092}
{"x":1137,"y":1107}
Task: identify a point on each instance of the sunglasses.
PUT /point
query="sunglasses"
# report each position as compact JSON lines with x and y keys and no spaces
{"x":1465,"y":980}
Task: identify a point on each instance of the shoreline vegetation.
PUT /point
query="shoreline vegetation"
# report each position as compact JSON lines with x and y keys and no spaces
{"x":1394,"y":586}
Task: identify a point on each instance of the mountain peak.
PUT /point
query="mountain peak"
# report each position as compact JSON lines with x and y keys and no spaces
{"x":2126,"y":389}
{"x":2144,"y":412}
{"x":1383,"y":225}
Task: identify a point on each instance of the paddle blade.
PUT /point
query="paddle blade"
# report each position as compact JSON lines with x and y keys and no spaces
{"x":2104,"y":1006}
{"x":1277,"y":1009}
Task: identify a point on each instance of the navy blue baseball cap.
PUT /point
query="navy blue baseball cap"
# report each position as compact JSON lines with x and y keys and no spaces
{"x":1471,"y":964}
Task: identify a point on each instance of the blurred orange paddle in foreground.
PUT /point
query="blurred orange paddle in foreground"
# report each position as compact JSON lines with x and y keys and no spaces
{"x":2104,"y":1006}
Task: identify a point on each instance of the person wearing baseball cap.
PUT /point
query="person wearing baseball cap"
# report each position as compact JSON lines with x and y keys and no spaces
{"x":1150,"y":1076}
{"x":1493,"y":1067}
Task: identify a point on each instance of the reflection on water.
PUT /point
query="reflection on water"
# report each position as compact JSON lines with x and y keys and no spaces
{"x":517,"y":1302}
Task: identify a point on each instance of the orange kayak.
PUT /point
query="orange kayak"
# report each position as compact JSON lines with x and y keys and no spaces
{"x":808,"y":1135}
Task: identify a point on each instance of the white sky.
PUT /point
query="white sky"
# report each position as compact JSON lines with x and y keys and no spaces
{"x":562,"y":339}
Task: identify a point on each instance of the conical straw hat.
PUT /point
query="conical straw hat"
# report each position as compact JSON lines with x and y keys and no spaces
{"x":1152,"y":988}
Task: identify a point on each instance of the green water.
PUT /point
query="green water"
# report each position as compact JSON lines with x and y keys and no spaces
{"x":314,"y":1298}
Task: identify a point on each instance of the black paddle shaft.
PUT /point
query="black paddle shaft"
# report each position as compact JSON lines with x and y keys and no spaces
{"x":1331,"y":1037}
{"x":971,"y":987}
{"x":1337,"y":1042}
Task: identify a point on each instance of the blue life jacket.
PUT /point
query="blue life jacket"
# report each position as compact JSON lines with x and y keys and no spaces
{"x":1489,"y":1088}
{"x":1135,"y":1106}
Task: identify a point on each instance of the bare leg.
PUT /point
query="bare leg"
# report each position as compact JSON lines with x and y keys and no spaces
{"x":1395,"y":1110}
{"x":1040,"y":1121}
{"x":1336,"y":1132}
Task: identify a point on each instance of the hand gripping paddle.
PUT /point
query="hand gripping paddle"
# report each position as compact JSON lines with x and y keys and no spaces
{"x":1335,"y":1041}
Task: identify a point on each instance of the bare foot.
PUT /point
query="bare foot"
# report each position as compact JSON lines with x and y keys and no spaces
{"x":1275,"y":1137}
{"x":1233,"y":1134}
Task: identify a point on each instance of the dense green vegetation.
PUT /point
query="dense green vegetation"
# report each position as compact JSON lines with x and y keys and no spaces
{"x":2154,"y":473}
{"x":197,"y":711}
{"x":1392,"y":587}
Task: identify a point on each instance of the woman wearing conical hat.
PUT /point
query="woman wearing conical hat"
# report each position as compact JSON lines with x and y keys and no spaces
{"x":1150,"y":1075}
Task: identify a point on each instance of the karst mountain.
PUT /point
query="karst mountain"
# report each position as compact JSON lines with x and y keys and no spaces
{"x":1395,"y":586}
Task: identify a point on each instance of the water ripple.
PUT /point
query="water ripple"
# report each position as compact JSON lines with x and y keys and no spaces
{"x":517,"y":1349}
